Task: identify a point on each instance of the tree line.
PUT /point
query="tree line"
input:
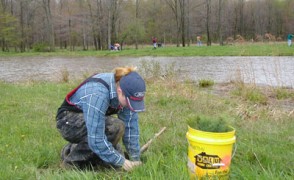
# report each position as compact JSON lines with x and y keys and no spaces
{"x":46,"y":24}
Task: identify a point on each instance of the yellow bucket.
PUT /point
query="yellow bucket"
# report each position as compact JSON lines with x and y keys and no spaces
{"x":209,"y":153}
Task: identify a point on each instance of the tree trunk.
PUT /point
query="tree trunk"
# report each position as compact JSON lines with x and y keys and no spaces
{"x":84,"y":25}
{"x":188,"y":23}
{"x":183,"y":28}
{"x":93,"y":25}
{"x":241,"y":17}
{"x":177,"y":22}
{"x":137,"y":16}
{"x":50,"y":28}
{"x":173,"y":4}
{"x":70,"y":36}
{"x":220,"y":6}
{"x":208,"y":7}
{"x":110,"y":9}
{"x":22,"y":46}
{"x":98,"y":28}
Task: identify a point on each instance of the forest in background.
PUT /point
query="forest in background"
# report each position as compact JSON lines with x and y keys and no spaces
{"x":96,"y":24}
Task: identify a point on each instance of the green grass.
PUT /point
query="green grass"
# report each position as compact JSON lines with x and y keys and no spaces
{"x":30,"y":143}
{"x":245,"y":49}
{"x":251,"y":93}
{"x":282,"y":93}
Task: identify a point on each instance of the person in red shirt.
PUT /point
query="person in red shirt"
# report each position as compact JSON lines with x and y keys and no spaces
{"x":154,"y":41}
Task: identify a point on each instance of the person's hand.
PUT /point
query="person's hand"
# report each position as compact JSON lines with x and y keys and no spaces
{"x":130,"y":165}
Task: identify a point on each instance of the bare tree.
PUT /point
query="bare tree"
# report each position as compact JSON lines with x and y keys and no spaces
{"x":49,"y":22}
{"x":98,"y":23}
{"x":22,"y":45}
{"x":84,"y":24}
{"x":112,"y":18}
{"x":183,"y":27}
{"x":137,"y":19}
{"x":220,"y":7}
{"x":95,"y":23}
{"x":208,"y":12}
{"x":173,"y":4}
{"x":110,"y":9}
{"x":188,"y":23}
{"x":61,"y":32}
{"x":97,"y":26}
{"x":239,"y":18}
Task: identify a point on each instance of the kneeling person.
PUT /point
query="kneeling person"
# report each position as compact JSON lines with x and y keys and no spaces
{"x":84,"y":120}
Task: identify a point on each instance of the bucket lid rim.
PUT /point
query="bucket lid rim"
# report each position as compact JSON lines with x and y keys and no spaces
{"x":232,"y":130}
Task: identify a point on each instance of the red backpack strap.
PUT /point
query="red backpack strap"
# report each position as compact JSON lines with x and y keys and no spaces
{"x":73,"y":91}
{"x":91,"y":79}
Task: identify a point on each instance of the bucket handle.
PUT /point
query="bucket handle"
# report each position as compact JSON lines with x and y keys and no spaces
{"x":235,"y":149}
{"x":222,"y":164}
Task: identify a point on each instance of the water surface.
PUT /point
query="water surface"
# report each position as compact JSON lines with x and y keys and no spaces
{"x":273,"y":71}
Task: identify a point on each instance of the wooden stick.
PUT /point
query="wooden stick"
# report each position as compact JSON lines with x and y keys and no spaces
{"x":146,"y":146}
{"x":259,"y":162}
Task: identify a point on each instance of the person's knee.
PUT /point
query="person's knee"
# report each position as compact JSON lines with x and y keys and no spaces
{"x":114,"y":129}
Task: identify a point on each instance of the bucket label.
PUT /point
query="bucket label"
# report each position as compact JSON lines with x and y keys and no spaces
{"x":207,"y":161}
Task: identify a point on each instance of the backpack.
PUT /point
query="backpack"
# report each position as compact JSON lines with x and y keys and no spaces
{"x":68,"y":106}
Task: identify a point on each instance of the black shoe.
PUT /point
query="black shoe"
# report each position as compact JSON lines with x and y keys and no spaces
{"x":65,"y":151}
{"x":67,"y":166}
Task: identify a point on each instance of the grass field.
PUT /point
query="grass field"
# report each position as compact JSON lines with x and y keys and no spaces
{"x":262,"y":116}
{"x":30,"y":143}
{"x":239,"y":49}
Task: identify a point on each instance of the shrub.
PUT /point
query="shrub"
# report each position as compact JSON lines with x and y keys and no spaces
{"x":256,"y":96}
{"x":40,"y":47}
{"x":64,"y":75}
{"x":206,"y":83}
{"x":250,"y":93}
{"x":282,"y":93}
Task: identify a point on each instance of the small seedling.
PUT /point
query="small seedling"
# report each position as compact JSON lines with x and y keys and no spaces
{"x":209,"y":124}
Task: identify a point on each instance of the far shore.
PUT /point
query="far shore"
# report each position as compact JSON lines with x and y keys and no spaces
{"x":170,"y":50}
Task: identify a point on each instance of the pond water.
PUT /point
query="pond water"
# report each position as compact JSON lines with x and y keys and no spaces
{"x":273,"y":71}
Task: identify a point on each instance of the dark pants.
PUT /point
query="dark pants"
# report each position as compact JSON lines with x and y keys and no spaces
{"x":72,"y":127}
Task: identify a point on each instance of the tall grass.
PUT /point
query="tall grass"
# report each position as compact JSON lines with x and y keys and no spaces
{"x":30,"y":144}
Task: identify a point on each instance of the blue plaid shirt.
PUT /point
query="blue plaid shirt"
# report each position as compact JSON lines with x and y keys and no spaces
{"x":94,"y":99}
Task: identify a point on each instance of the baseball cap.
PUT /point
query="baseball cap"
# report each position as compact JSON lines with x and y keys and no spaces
{"x":134,"y":88}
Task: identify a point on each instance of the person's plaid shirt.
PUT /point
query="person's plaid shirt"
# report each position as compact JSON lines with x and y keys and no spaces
{"x":94,"y":99}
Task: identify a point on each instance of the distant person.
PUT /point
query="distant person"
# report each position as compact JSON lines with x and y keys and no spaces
{"x":117,"y":46}
{"x":199,"y":43}
{"x":154,"y":41}
{"x":290,"y":36}
{"x":111,"y":47}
